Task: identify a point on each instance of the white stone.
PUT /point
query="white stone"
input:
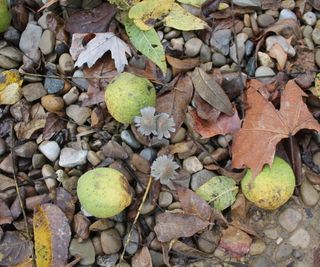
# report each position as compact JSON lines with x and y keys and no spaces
{"x":287,"y":14}
{"x":70,"y":157}
{"x":309,"y":18}
{"x":192,"y":164}
{"x":50,"y":149}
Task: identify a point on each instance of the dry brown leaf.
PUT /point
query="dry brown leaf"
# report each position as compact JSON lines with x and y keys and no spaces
{"x":14,"y":248}
{"x":188,"y":251}
{"x":285,"y":27}
{"x":54,"y":124}
{"x":204,"y":110}
{"x":191,"y":203}
{"x":175,"y":225}
{"x":6,"y":183}
{"x":181,"y":65}
{"x":56,"y":24}
{"x":65,"y":201}
{"x":52,"y":235}
{"x":224,"y":125}
{"x":176,"y":101}
{"x":24,"y":130}
{"x":265,"y":126}
{"x":94,"y":20}
{"x":211,"y":91}
{"x":142,"y":258}
{"x":278,"y":54}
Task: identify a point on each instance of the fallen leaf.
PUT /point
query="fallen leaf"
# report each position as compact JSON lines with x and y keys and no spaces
{"x":53,"y":125}
{"x":65,"y":201}
{"x":181,"y":147}
{"x":24,"y":130}
{"x":239,"y":209}
{"x":235,"y":241}
{"x":6,"y":183}
{"x":123,"y":4}
{"x":148,"y":43}
{"x":176,"y":101}
{"x":223,"y":125}
{"x":14,"y":248}
{"x":191,"y":203}
{"x":150,"y":72}
{"x":56,"y":24}
{"x":196,"y":3}
{"x":179,"y":65}
{"x":175,"y":225}
{"x":188,"y":251}
{"x":285,"y":27}
{"x":5,"y":213}
{"x":142,"y":258}
{"x":219,"y":191}
{"x":278,"y":54}
{"x":204,"y":110}
{"x":52,"y":235}
{"x":97,"y":47}
{"x":10,"y":87}
{"x":94,"y":20}
{"x":211,"y":91}
{"x":304,"y":60}
{"x":147,"y":12}
{"x":181,"y":19}
{"x":265,"y":126}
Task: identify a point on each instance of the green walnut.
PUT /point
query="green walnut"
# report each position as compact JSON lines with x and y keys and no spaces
{"x":103,"y":192}
{"x":272,"y":187}
{"x":127,"y":94}
{"x":5,"y":16}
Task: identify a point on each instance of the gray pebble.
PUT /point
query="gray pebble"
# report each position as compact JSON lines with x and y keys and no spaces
{"x":70,"y":157}
{"x":30,"y":38}
{"x":12,"y":35}
{"x":172,"y":34}
{"x":66,"y":63}
{"x":3,"y":146}
{"x":177,"y":44}
{"x":218,"y":60}
{"x":47,"y":42}
{"x":316,"y":36}
{"x":53,"y":85}
{"x":85,"y":249}
{"x":33,"y":91}
{"x":129,"y":139}
{"x":289,"y":219}
{"x":50,"y":149}
{"x":262,"y":261}
{"x":110,"y":241}
{"x":192,"y":164}
{"x":265,"y":20}
{"x":317,"y":57}
{"x":205,"y":53}
{"x":300,"y":238}
{"x":79,"y":80}
{"x":38,"y":160}
{"x":165,"y":199}
{"x":148,"y":154}
{"x":249,"y":47}
{"x":264,"y":73}
{"x":200,"y":178}
{"x":283,"y":251}
{"x":26,"y":150}
{"x":133,"y":243}
{"x":220,"y":40}
{"x":78,"y":113}
{"x":309,"y":194}
{"x":309,"y":18}
{"x":245,"y":3}
{"x":71,"y":97}
{"x":192,"y":47}
{"x":307,"y":31}
{"x":208,"y":241}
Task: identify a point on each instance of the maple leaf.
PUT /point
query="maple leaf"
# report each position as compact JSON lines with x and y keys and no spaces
{"x":264,"y":126}
{"x":97,"y":47}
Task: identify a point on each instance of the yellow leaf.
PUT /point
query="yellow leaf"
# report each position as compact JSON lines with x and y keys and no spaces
{"x":223,"y":6}
{"x":10,"y":87}
{"x":51,"y":235}
{"x":145,"y":13}
{"x":316,"y":89}
{"x":181,"y":19}
{"x":196,"y":3}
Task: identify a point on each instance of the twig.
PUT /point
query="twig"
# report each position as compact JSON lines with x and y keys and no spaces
{"x":137,"y":216}
{"x":18,"y":194}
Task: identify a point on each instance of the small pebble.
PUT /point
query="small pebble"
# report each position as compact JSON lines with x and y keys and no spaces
{"x":157,"y":258}
{"x":12,"y":35}
{"x":200,"y":178}
{"x":70,"y":157}
{"x":262,"y":261}
{"x":53,"y":85}
{"x":192,"y":47}
{"x":192,"y":165}
{"x":165,"y":199}
{"x":134,"y":242}
{"x":66,"y":63}
{"x":85,"y":249}
{"x":220,"y":40}
{"x":79,"y":80}
{"x":316,"y":36}
{"x":148,"y":154}
{"x":47,"y":42}
{"x":283,"y":251}
{"x":265,"y":60}
{"x":93,"y":158}
{"x":317,"y":57}
{"x":288,"y":4}
{"x":179,"y":136}
{"x":33,"y":91}
{"x":218,"y":60}
{"x":205,"y":53}
{"x":271,"y":233}
{"x":26,"y":150}
{"x":316,"y":158}
{"x":265,"y":20}
{"x":52,"y":103}
{"x":289,"y":219}
{"x":264,"y":72}
{"x":257,"y":247}
{"x":110,"y":241}
{"x":287,"y":14}
{"x":307,"y":32}
{"x":71,"y":97}
{"x":208,"y":241}
{"x":38,"y":160}
{"x":128,"y":137}
{"x":171,"y":34}
{"x":300,"y":238}
{"x":177,"y":44}
{"x":309,"y":18}
{"x":309,"y":194}
{"x":78,"y":114}
{"x":50,"y":149}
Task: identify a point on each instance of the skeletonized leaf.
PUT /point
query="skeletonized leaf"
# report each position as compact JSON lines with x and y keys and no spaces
{"x":148,"y":43}
{"x":220,"y":191}
{"x":14,"y":248}
{"x":52,"y":235}
{"x":174,"y":225}
{"x":265,"y":126}
{"x":211,"y":91}
{"x":145,"y":13}
{"x":97,"y":47}
{"x":181,"y":19}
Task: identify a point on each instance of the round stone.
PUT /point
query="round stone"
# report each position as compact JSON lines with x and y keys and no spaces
{"x":257,"y":247}
{"x":52,"y":103}
{"x":309,"y":194}
{"x":85,"y":249}
{"x":289,"y":219}
{"x":165,"y":199}
{"x":66,"y":63}
{"x":218,"y":60}
{"x":287,"y":14}
{"x":309,"y":18}
{"x":265,"y":20}
{"x":192,"y":47}
{"x":110,"y":241}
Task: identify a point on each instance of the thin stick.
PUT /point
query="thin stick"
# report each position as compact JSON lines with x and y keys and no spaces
{"x":19,"y":196}
{"x":137,"y":216}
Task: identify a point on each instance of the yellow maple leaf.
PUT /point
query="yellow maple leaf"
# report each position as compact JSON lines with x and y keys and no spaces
{"x":10,"y":87}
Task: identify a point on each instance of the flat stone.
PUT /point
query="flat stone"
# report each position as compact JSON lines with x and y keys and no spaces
{"x":33,"y":91}
{"x":177,"y":44}
{"x":200,"y":178}
{"x":265,"y":20}
{"x":47,"y":42}
{"x":12,"y":35}
{"x":70,"y":157}
{"x":26,"y":150}
{"x":7,"y":63}
{"x":50,"y":149}
{"x":84,"y":249}
{"x":3,"y":146}
{"x":309,"y":194}
{"x":245,"y":3}
{"x":192,"y":47}
{"x":78,"y":114}
{"x":265,"y":60}
{"x":287,"y":14}
{"x":192,"y":164}
{"x":289,"y":219}
{"x":110,"y":241}
{"x":38,"y":160}
{"x":263,"y":72}
{"x":30,"y":39}
{"x":241,"y":39}
{"x":205,"y":54}
{"x":53,"y":85}
{"x":11,"y":53}
{"x":220,"y":40}
{"x":257,"y":247}
{"x":283,"y":251}
{"x":300,"y":238}
{"x":165,"y":199}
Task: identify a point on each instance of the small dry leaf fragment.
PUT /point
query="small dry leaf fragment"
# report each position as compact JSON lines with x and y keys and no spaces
{"x":147,"y":122}
{"x":279,"y":54}
{"x":265,"y":126}
{"x":14,"y":248}
{"x":24,"y":130}
{"x":164,"y":169}
{"x":52,"y":235}
{"x":175,"y":225}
